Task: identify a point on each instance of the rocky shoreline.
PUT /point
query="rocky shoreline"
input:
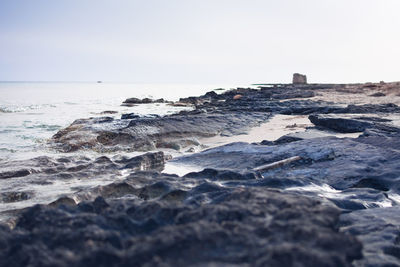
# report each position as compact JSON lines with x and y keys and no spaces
{"x":334,"y":203}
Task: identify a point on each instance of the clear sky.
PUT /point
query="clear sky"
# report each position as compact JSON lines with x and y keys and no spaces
{"x":199,"y":41}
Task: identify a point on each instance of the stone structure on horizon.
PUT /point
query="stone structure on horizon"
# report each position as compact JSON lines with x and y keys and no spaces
{"x":299,"y":78}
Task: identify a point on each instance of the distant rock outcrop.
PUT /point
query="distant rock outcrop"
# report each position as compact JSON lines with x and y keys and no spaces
{"x":299,"y":78}
{"x":133,"y":101}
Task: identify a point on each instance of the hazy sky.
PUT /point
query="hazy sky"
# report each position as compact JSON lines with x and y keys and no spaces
{"x":199,"y":41}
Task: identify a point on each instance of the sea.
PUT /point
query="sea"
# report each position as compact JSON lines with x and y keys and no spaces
{"x":32,"y":112}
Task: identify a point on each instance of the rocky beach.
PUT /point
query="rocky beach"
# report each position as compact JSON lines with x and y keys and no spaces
{"x":292,"y":174}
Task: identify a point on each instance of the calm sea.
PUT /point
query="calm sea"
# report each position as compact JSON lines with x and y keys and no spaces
{"x":31,"y":112}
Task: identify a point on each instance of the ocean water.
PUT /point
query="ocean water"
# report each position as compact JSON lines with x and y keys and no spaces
{"x":31,"y":112}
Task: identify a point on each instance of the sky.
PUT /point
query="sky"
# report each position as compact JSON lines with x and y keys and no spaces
{"x":199,"y":41}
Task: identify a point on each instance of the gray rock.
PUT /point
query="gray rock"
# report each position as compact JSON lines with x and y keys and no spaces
{"x":244,"y":227}
{"x":379,"y":230}
{"x":343,"y":125}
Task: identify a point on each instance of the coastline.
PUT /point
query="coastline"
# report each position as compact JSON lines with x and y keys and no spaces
{"x":347,"y":138}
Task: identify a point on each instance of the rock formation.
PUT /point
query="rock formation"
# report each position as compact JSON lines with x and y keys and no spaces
{"x":327,"y":201}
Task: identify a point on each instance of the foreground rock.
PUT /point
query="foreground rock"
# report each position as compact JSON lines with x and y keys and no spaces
{"x":334,"y":207}
{"x":378,"y":230}
{"x":49,"y":179}
{"x":244,"y":227}
{"x":358,"y":175}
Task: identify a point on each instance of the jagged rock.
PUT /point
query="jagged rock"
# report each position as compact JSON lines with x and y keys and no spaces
{"x":377,"y":94}
{"x":53,"y":174}
{"x":281,"y":140}
{"x":63,"y":201}
{"x":143,"y":134}
{"x":108,"y":112}
{"x":352,"y":125}
{"x":343,"y":164}
{"x":144,"y":162}
{"x":378,"y":229}
{"x":9,"y":197}
{"x":343,"y":125}
{"x":222,"y":175}
{"x":129,"y":116}
{"x":255,"y":227}
{"x":133,"y":100}
{"x":14,"y":173}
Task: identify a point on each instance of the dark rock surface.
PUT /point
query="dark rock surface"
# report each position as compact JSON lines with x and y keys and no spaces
{"x":133,"y":100}
{"x":7,"y":197}
{"x":352,"y":125}
{"x":379,"y":231}
{"x":14,"y":173}
{"x":227,"y":213}
{"x":342,"y":125}
{"x":360,"y":176}
{"x":243,"y":227}
{"x":143,"y":134}
{"x":129,"y":116}
{"x":80,"y":166}
{"x":50,"y":179}
{"x":378,"y":94}
{"x":336,"y":205}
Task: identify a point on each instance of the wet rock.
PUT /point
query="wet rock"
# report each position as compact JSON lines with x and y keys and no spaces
{"x":67,"y":201}
{"x":108,"y":112}
{"x":14,"y":174}
{"x":9,"y":197}
{"x":281,"y":140}
{"x":365,"y":162}
{"x":113,"y":190}
{"x":211,"y":94}
{"x":378,"y":229}
{"x":51,"y":179}
{"x":149,"y":133}
{"x":225,"y":213}
{"x":373,"y":119}
{"x":129,"y":116}
{"x":222,"y":175}
{"x":377,"y":94}
{"x":372,"y":108}
{"x":154,"y":190}
{"x":342,"y":125}
{"x":352,"y":125}
{"x":133,"y":100}
{"x":293,"y":94}
{"x":249,"y":227}
{"x":144,"y":162}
